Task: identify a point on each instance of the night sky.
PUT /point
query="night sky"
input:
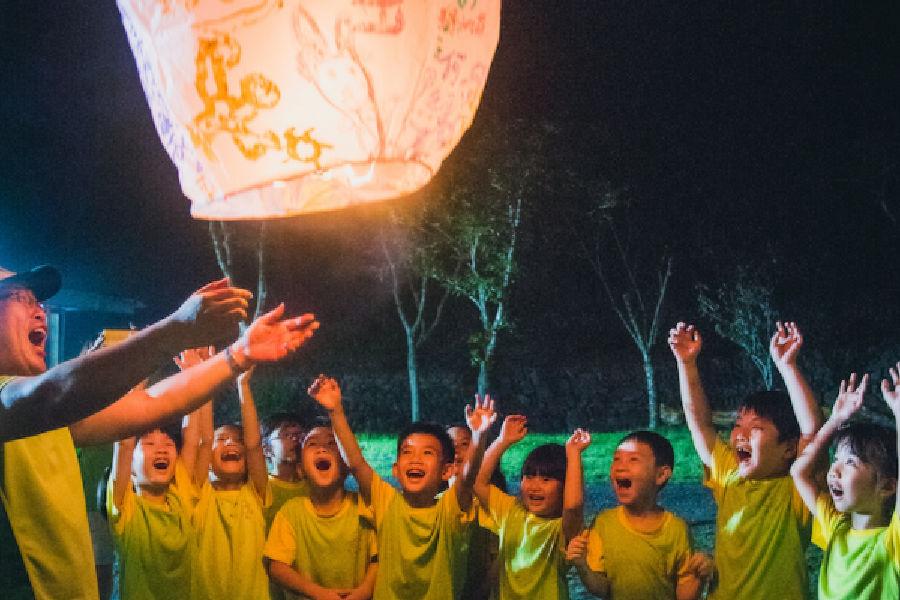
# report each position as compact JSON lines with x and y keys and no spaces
{"x":749,"y":127}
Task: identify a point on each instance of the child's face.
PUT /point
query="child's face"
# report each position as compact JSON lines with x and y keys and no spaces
{"x":229,"y":455}
{"x":321,"y":459}
{"x":283,"y":445}
{"x":421,"y":468}
{"x":542,"y":495}
{"x":759,"y":454}
{"x":854,"y":484}
{"x":462,"y":439}
{"x":153,"y":461}
{"x":635,"y":477}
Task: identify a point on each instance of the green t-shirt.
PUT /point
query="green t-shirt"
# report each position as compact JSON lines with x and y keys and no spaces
{"x":762,"y":530}
{"x":859,"y":564}
{"x":532,"y":550}
{"x":156,"y":545}
{"x":421,"y":551}
{"x":231,"y":535}
{"x":333,"y":551}
{"x":281,"y":492}
{"x":639,"y":564}
{"x":40,"y":488}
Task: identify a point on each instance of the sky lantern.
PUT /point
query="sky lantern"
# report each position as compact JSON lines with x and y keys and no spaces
{"x":273,"y":108}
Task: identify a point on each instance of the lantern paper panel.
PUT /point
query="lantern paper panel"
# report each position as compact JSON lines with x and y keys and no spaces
{"x":272,"y":108}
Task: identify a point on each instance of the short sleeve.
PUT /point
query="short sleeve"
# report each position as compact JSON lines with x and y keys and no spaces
{"x":453,"y":511}
{"x":498,"y":508}
{"x":119,"y":515}
{"x":723,"y":464}
{"x":827,"y":518}
{"x":382,"y":494}
{"x":281,"y":545}
{"x":892,"y":541}
{"x":595,"y":552}
{"x":683,"y":548}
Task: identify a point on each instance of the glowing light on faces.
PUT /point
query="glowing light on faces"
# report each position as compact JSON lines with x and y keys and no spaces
{"x":541,"y":495}
{"x":757,"y":450}
{"x":321,"y":459}
{"x":153,"y":461}
{"x":229,"y":455}
{"x":24,"y":332}
{"x":853,"y":484}
{"x":272,"y":108}
{"x":634,"y":475}
{"x":420,"y":468}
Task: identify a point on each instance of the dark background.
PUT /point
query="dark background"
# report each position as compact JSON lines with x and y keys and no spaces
{"x":750,"y":135}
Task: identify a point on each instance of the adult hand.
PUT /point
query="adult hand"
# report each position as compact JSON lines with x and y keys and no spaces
{"x":193,"y":356}
{"x":211,"y":314}
{"x":271,"y":338}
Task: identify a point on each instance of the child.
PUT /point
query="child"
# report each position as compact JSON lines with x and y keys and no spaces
{"x":639,"y":550}
{"x":855,"y":512}
{"x":318,"y":544}
{"x":421,"y":536}
{"x":228,"y":517}
{"x":762,"y":525}
{"x":534,"y":529}
{"x":150,"y":522}
{"x":282,"y":434}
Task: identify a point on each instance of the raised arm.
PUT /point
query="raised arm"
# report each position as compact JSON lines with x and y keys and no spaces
{"x":892,"y":398}
{"x":479,"y":420}
{"x":268,"y":339}
{"x":191,"y":423}
{"x":256,"y":460}
{"x":327,"y":393}
{"x":810,"y":467}
{"x":784,"y":348}
{"x":514,"y":429}
{"x":82,"y":386}
{"x":573,"y":492}
{"x":123,"y":451}
{"x":685,"y":342}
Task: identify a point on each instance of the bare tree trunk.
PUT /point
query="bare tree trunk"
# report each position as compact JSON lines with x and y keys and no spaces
{"x":652,"y":405}
{"x":412,"y":374}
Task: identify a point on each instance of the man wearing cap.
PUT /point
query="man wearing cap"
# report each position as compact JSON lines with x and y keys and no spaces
{"x":45,"y":413}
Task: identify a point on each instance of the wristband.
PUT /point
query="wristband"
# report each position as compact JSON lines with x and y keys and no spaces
{"x":232,"y":361}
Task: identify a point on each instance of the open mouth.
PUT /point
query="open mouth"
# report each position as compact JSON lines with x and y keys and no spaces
{"x":161,"y":464}
{"x":623,"y":483}
{"x":37,"y":336}
{"x":836,"y":491}
{"x":322,"y":464}
{"x":743,"y":454}
{"x":415,"y":474}
{"x":231,"y":456}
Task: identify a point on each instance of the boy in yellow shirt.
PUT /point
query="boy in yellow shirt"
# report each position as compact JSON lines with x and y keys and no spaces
{"x":639,"y":550}
{"x":231,"y":474}
{"x":855,"y":506}
{"x":762,"y":525}
{"x":422,"y":536}
{"x":281,"y":436}
{"x":319,"y":544}
{"x":535,"y":528}
{"x":150,"y":521}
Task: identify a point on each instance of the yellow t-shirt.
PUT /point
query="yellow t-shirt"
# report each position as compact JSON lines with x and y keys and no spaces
{"x":282,"y":491}
{"x":860,"y":564}
{"x":421,"y":551}
{"x":762,"y":530}
{"x":639,"y":564}
{"x":156,"y":545}
{"x":333,"y":551}
{"x":532,"y":558}
{"x":481,"y":560}
{"x":40,"y":487}
{"x":231,"y":535}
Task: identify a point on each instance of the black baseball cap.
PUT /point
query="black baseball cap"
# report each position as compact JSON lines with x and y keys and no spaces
{"x":43,"y":281}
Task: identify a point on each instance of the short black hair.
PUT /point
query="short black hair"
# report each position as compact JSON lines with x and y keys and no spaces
{"x":547,"y":460}
{"x":663,"y":453}
{"x":447,"y":451}
{"x":173,"y":430}
{"x":774,"y":405}
{"x":278,"y":420}
{"x":873,"y":444}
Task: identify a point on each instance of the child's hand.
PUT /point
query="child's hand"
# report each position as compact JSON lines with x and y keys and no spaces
{"x":244,"y":378}
{"x":326,"y":392}
{"x":785,"y":344}
{"x":576,"y":551}
{"x":685,"y":342}
{"x":892,"y":397}
{"x":482,"y":416}
{"x":514,"y":429}
{"x":700,"y":565}
{"x":128,"y":443}
{"x":193,"y":356}
{"x":580,"y":440}
{"x":849,"y":399}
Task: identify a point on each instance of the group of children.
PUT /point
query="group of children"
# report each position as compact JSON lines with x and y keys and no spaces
{"x":235,"y":513}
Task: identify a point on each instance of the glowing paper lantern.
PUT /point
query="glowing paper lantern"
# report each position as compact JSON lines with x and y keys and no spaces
{"x":272,"y":108}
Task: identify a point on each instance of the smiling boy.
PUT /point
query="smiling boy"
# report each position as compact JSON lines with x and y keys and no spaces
{"x":855,"y":505}
{"x":319,"y":543}
{"x":762,"y":524}
{"x":639,"y":550}
{"x":421,"y":535}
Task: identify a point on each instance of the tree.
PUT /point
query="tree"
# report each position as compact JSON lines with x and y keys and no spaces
{"x":634,"y":276}
{"x":408,"y":253}
{"x":742,"y":311}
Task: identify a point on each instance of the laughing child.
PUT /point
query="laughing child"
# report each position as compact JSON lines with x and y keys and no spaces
{"x":762,"y":524}
{"x":319,"y":546}
{"x":422,"y":535}
{"x":535,"y":528}
{"x":281,"y":436}
{"x":855,"y":505}
{"x":639,"y":550}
